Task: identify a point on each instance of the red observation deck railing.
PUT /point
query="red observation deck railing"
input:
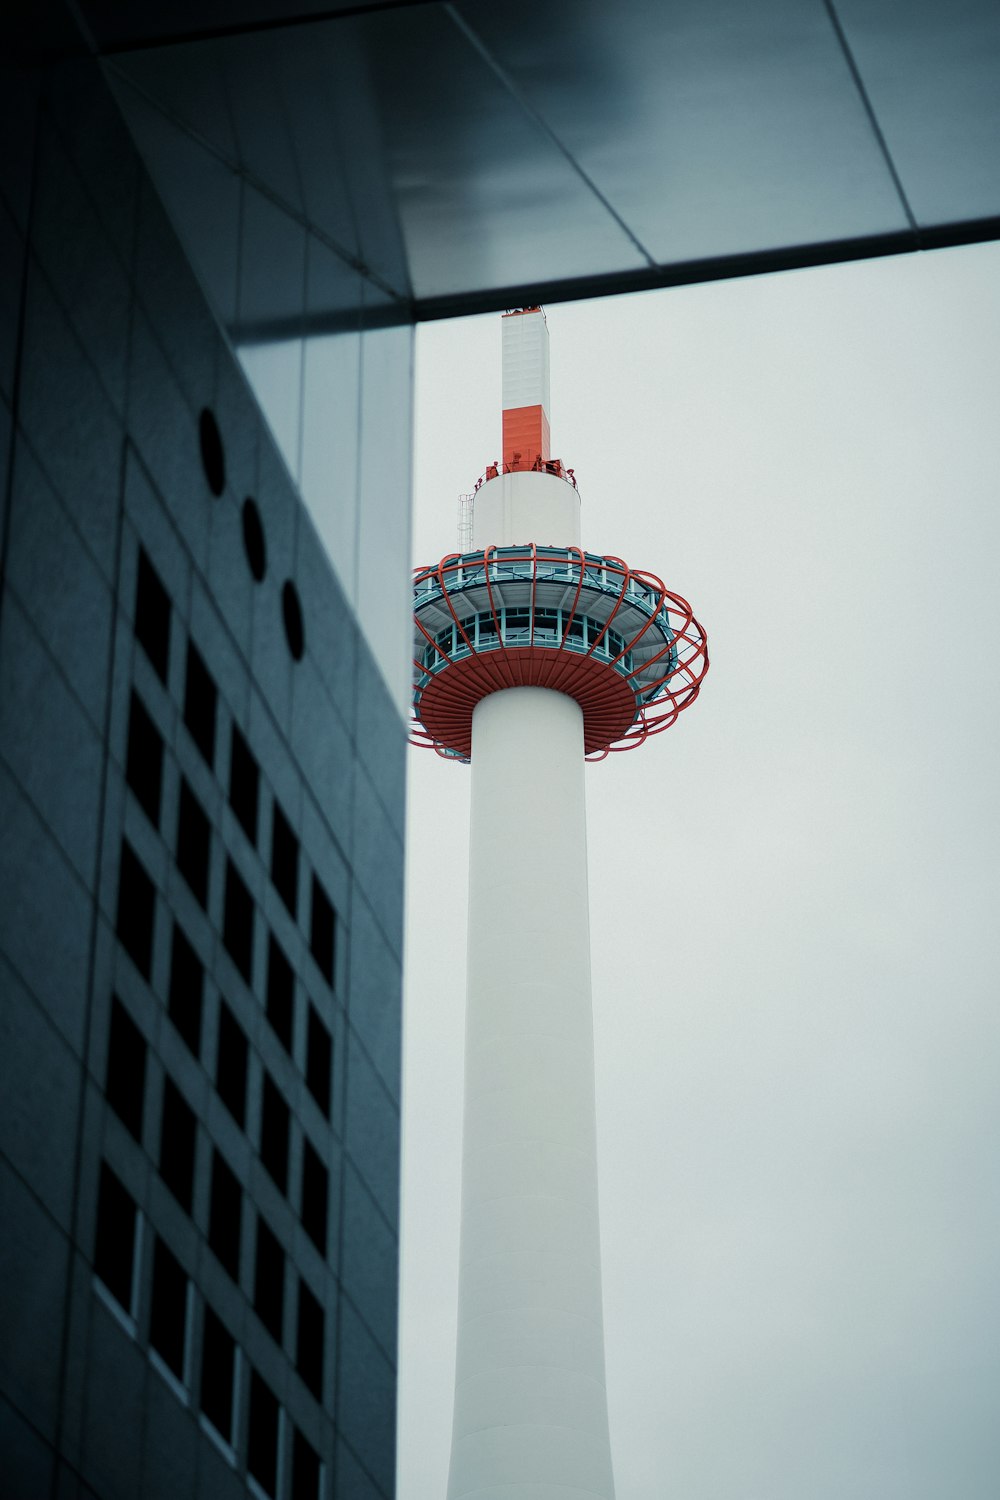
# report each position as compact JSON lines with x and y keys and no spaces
{"x":616,"y":639}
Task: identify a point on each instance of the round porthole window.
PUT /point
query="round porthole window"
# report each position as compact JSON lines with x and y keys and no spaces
{"x":253,"y":539}
{"x":291,"y":611}
{"x":213,"y":457}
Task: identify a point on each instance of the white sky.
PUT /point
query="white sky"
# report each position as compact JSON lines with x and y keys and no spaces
{"x":794,"y":891}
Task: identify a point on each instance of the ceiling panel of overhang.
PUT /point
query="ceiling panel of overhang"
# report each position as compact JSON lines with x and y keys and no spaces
{"x":462,"y":155}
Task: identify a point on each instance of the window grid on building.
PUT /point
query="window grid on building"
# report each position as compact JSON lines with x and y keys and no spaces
{"x":196,"y":1349}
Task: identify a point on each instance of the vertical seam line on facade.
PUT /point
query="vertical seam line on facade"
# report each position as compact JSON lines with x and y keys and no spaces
{"x":524,"y":103}
{"x":869,"y":109}
{"x":15,"y":385}
{"x":78,"y":1149}
{"x":354,"y":602}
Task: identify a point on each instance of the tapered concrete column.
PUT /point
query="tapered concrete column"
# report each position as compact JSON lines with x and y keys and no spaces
{"x":530,"y":1405}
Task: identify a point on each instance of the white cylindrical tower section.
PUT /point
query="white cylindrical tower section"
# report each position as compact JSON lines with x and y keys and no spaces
{"x":515,"y":509}
{"x":530,"y":1405}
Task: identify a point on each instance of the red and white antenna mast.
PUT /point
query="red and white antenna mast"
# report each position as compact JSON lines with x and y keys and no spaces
{"x":525,"y":388}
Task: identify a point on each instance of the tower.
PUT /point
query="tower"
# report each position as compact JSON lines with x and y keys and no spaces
{"x":530,"y":656}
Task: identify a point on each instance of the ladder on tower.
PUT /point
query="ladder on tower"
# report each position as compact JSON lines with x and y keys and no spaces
{"x":465,"y":523}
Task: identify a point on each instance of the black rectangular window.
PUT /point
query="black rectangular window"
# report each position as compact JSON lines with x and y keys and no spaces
{"x":144,"y":760}
{"x":125,"y":1081}
{"x":136,"y":911}
{"x":262,"y":1435}
{"x":280,"y":994}
{"x":200,"y":703}
{"x":244,"y":785}
{"x":231,"y":1065}
{"x":178,"y":1132}
{"x":168,"y":1309}
{"x":194,"y":837}
{"x":187,"y":986}
{"x":114,"y":1242}
{"x":310,"y":1341}
{"x":322,"y":931}
{"x":218,"y":1368}
{"x":274,"y":1128}
{"x":152,"y":616}
{"x":269,"y":1282}
{"x":315,"y":1193}
{"x":305,"y":1469}
{"x":319,"y":1061}
{"x":225,"y":1216}
{"x":237,"y":922}
{"x":285,"y":860}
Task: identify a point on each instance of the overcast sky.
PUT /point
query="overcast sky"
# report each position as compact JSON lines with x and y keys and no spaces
{"x":794,"y":891}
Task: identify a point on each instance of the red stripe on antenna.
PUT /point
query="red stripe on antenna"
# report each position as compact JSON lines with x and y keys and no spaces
{"x":525,"y":437}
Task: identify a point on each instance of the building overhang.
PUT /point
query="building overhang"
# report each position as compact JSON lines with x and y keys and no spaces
{"x":459,"y":158}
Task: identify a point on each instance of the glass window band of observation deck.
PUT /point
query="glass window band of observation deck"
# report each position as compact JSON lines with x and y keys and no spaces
{"x":552,"y":598}
{"x":551,"y":628}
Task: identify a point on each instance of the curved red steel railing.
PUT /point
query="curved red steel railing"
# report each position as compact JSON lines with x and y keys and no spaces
{"x":688,"y":645}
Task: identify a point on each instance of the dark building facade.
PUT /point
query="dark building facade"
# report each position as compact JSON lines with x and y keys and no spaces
{"x":201,"y":802}
{"x":218,"y":225}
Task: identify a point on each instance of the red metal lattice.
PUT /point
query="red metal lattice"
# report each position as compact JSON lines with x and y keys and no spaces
{"x":614,"y":717}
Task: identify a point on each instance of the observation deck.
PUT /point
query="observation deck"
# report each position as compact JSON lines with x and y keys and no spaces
{"x":615,"y":639}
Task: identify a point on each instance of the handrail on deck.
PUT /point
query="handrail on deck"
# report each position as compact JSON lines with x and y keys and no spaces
{"x":553,"y":466}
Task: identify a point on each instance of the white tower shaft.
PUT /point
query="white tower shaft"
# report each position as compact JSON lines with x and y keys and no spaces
{"x":530,"y":1404}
